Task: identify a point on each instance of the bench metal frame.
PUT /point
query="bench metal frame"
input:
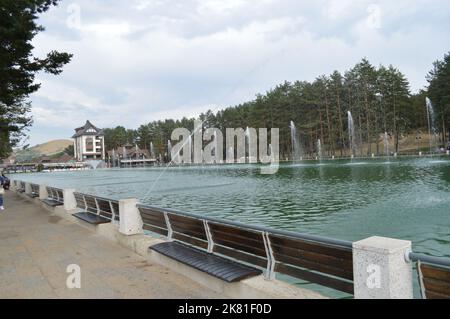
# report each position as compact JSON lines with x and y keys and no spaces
{"x":55,"y":194}
{"x":113,"y":206}
{"x":34,"y":190}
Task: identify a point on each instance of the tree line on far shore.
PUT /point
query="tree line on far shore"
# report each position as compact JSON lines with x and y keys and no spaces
{"x":379,"y":99}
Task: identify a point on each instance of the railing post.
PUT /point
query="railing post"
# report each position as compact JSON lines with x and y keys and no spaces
{"x":168,"y":225}
{"x":381,"y":269}
{"x":130,"y":217}
{"x":270,"y":271}
{"x":69,"y":199}
{"x":209,"y":237}
{"x":43,"y":194}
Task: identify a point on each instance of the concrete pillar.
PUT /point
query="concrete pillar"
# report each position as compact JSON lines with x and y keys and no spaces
{"x":43,"y":194}
{"x":130,"y":218}
{"x":381,"y":270}
{"x":69,"y":199}
{"x":28,"y":188}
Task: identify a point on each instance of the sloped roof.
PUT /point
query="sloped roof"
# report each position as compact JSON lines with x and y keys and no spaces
{"x":130,"y":152}
{"x":88,"y":129}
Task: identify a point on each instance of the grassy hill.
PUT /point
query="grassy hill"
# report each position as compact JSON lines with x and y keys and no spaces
{"x":51,"y":148}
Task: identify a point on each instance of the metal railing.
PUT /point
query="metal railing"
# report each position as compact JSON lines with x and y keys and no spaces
{"x":56,"y":194}
{"x":104,"y":207}
{"x":265,"y":233}
{"x":314,"y":238}
{"x":438,"y":261}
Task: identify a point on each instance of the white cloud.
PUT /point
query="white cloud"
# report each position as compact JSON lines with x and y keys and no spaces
{"x":160,"y":59}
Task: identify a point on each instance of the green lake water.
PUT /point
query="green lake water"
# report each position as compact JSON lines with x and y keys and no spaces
{"x":405,"y":198}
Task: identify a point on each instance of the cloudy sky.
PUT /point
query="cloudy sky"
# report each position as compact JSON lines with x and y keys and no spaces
{"x":141,"y":60}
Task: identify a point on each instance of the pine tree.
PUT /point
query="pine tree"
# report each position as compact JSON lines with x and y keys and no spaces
{"x":18,"y":66}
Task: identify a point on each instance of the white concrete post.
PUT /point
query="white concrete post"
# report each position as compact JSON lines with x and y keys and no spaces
{"x":381,"y":270}
{"x":43,"y":194}
{"x":130,"y":218}
{"x":69,"y":199}
{"x":28,"y":188}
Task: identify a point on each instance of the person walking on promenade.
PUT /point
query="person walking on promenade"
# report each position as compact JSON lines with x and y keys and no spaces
{"x":6,"y":182}
{"x":2,"y":191}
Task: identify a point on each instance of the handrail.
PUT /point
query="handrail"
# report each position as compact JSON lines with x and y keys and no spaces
{"x":115,"y":216}
{"x":315,"y":238}
{"x":439,"y":261}
{"x":99,"y":197}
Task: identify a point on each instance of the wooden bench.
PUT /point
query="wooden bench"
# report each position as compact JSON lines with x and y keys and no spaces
{"x":190,"y":245}
{"x":434,"y":281}
{"x":34,"y":191}
{"x":96,"y":210}
{"x":55,"y":197}
{"x":329,"y":265}
{"x":21,"y":188}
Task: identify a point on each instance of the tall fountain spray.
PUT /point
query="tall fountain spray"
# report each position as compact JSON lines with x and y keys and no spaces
{"x":113,"y":157}
{"x":319,"y":149}
{"x":432,"y":130}
{"x":386,"y":144}
{"x":152,"y":150}
{"x":169,"y":149}
{"x":296,"y":150}
{"x":351,"y":134}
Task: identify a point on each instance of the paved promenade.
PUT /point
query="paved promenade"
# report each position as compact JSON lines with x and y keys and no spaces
{"x":36,"y":248}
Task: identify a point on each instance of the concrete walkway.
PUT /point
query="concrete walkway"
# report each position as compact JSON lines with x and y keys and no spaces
{"x":36,"y":248}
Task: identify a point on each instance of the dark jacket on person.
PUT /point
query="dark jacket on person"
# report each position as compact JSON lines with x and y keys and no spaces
{"x":5,"y":182}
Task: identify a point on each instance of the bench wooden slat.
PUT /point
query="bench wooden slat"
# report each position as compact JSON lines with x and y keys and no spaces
{"x":435,"y":280}
{"x":239,"y":255}
{"x":52,"y":202}
{"x":331,"y":282}
{"x":79,"y":198}
{"x":437,"y":286}
{"x":91,"y":218}
{"x":153,"y":221}
{"x":240,"y":239}
{"x":310,"y":246}
{"x":216,"y":266}
{"x":286,"y":253}
{"x":157,"y":230}
{"x":434,"y":272}
{"x":152,"y":215}
{"x":104,"y":206}
{"x":188,"y":226}
{"x":190,"y":240}
{"x":330,"y":269}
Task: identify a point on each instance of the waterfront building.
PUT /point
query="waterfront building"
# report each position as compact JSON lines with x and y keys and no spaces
{"x":89,"y":143}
